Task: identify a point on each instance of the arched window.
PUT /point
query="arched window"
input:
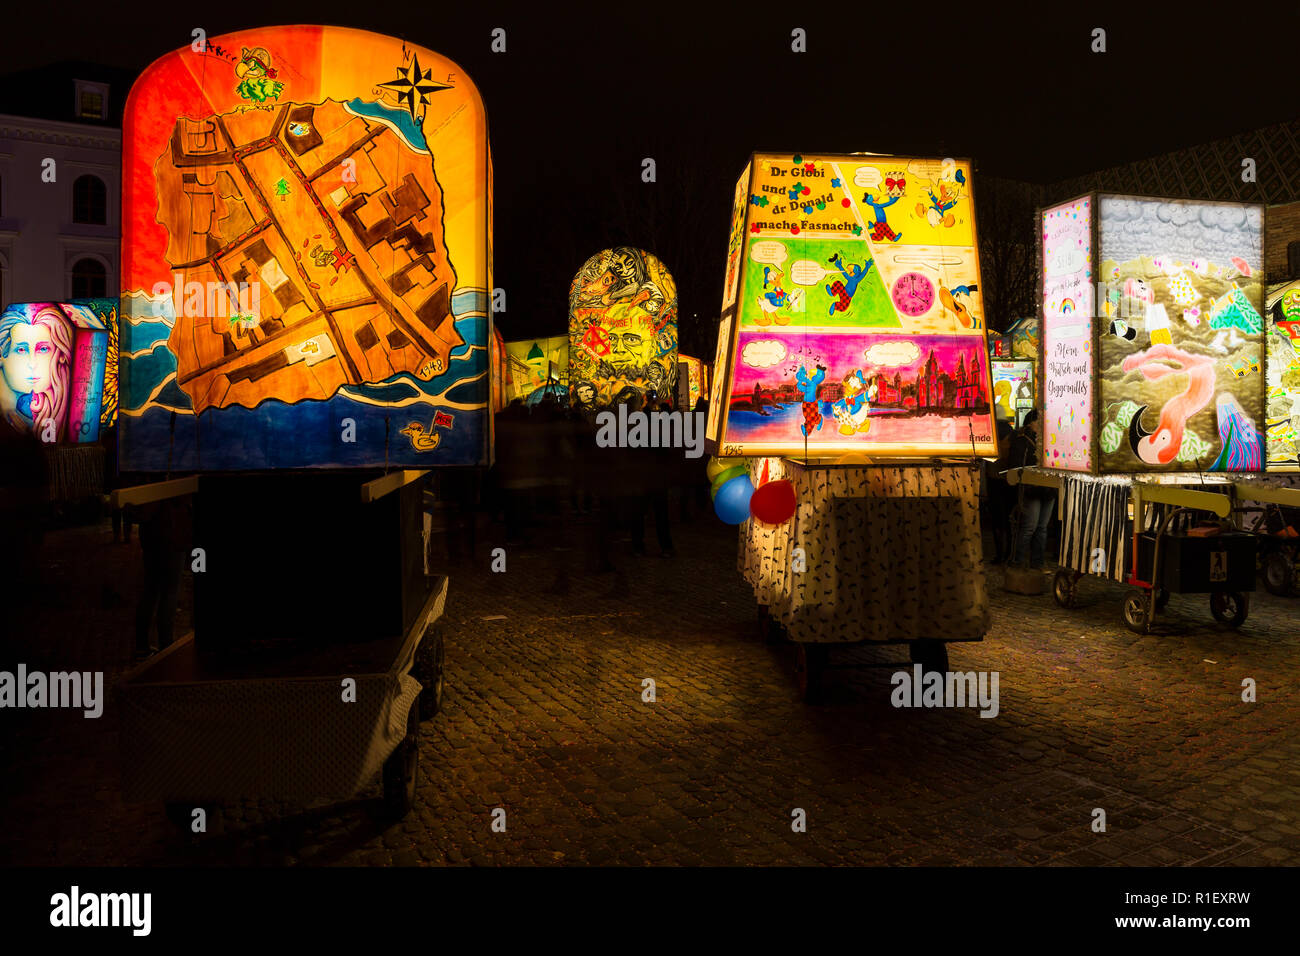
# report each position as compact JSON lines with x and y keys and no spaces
{"x":90,"y":201}
{"x":89,"y":279}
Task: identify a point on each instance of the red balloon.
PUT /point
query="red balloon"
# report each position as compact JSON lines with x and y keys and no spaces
{"x":774,"y":502}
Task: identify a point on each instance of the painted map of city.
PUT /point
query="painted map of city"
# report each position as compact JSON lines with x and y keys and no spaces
{"x":305,"y":256}
{"x":353,"y":279}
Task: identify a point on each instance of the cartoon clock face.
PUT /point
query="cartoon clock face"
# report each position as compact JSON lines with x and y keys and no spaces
{"x":913,"y":294}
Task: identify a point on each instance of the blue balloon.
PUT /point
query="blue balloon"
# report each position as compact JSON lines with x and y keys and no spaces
{"x":732,"y":500}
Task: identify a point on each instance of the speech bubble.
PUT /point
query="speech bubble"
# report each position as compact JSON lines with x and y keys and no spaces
{"x":931,"y":169}
{"x":867,"y":177}
{"x":807,"y":272}
{"x":892,"y":353}
{"x":763,"y":354}
{"x":1067,"y":261}
{"x":769,"y":251}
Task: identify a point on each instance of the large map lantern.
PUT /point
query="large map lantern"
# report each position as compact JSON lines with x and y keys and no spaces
{"x":1153,"y":336}
{"x":852,"y":315}
{"x":622,"y":326}
{"x":305,"y":256}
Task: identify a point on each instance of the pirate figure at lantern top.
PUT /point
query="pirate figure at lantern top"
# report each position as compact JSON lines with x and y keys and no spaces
{"x":257,"y":78}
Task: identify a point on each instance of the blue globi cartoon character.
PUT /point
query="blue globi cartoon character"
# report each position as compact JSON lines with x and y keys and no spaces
{"x":841,"y":290}
{"x":812,"y":415}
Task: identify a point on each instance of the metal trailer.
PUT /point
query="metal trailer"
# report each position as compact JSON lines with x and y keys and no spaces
{"x":295,"y":723}
{"x":875,"y":554}
{"x":1165,"y":563}
{"x":1275,"y":525}
{"x":1162,"y":562}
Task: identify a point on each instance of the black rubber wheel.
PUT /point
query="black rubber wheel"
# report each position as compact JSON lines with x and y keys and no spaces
{"x":401,"y":768}
{"x":1279,"y":573}
{"x":1229,"y":607}
{"x":1135,"y":610}
{"x":930,"y":654}
{"x":811,"y":668}
{"x":769,"y":628}
{"x":1065,"y":588}
{"x":429,"y":669}
{"x":181,"y":815}
{"x":1162,"y":599}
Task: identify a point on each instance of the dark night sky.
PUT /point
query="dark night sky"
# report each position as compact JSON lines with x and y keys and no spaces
{"x":583,"y":93}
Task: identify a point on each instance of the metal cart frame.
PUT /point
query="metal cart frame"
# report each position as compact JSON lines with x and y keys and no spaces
{"x":1140,"y":607}
{"x":419,"y":654}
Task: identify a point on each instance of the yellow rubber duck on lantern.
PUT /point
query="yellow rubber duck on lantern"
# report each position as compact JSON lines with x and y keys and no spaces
{"x":420,"y":440}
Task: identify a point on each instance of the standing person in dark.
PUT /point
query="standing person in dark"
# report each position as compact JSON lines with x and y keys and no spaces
{"x":166,"y":528}
{"x":24,"y":493}
{"x":657,"y":466}
{"x":1037,"y":503}
{"x":1002,"y":497}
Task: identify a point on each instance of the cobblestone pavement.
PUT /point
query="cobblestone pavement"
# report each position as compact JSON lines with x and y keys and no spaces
{"x":543,"y":716}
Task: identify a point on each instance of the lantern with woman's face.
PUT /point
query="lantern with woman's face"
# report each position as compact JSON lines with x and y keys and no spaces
{"x":35,"y":359}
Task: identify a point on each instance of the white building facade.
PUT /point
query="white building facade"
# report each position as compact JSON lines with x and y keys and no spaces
{"x":60,"y":208}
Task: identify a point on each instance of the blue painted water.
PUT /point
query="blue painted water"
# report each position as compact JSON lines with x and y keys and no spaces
{"x":306,"y":434}
{"x":406,"y":127}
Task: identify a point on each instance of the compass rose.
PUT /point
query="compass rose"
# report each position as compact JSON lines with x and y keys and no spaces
{"x":413,"y":86}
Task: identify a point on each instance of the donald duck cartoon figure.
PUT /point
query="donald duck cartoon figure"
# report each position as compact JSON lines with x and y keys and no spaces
{"x":852,"y":410}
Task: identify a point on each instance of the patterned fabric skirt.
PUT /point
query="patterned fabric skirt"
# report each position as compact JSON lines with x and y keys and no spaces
{"x":873,"y":553}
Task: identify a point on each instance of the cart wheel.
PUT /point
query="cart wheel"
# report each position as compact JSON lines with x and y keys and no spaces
{"x":932,"y":655}
{"x":1135,"y":611}
{"x":429,"y":668}
{"x":401,"y":767}
{"x":1229,"y":607}
{"x":811,"y":666}
{"x":181,"y":814}
{"x":1065,"y":588}
{"x":1279,"y":573}
{"x":1162,"y":599}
